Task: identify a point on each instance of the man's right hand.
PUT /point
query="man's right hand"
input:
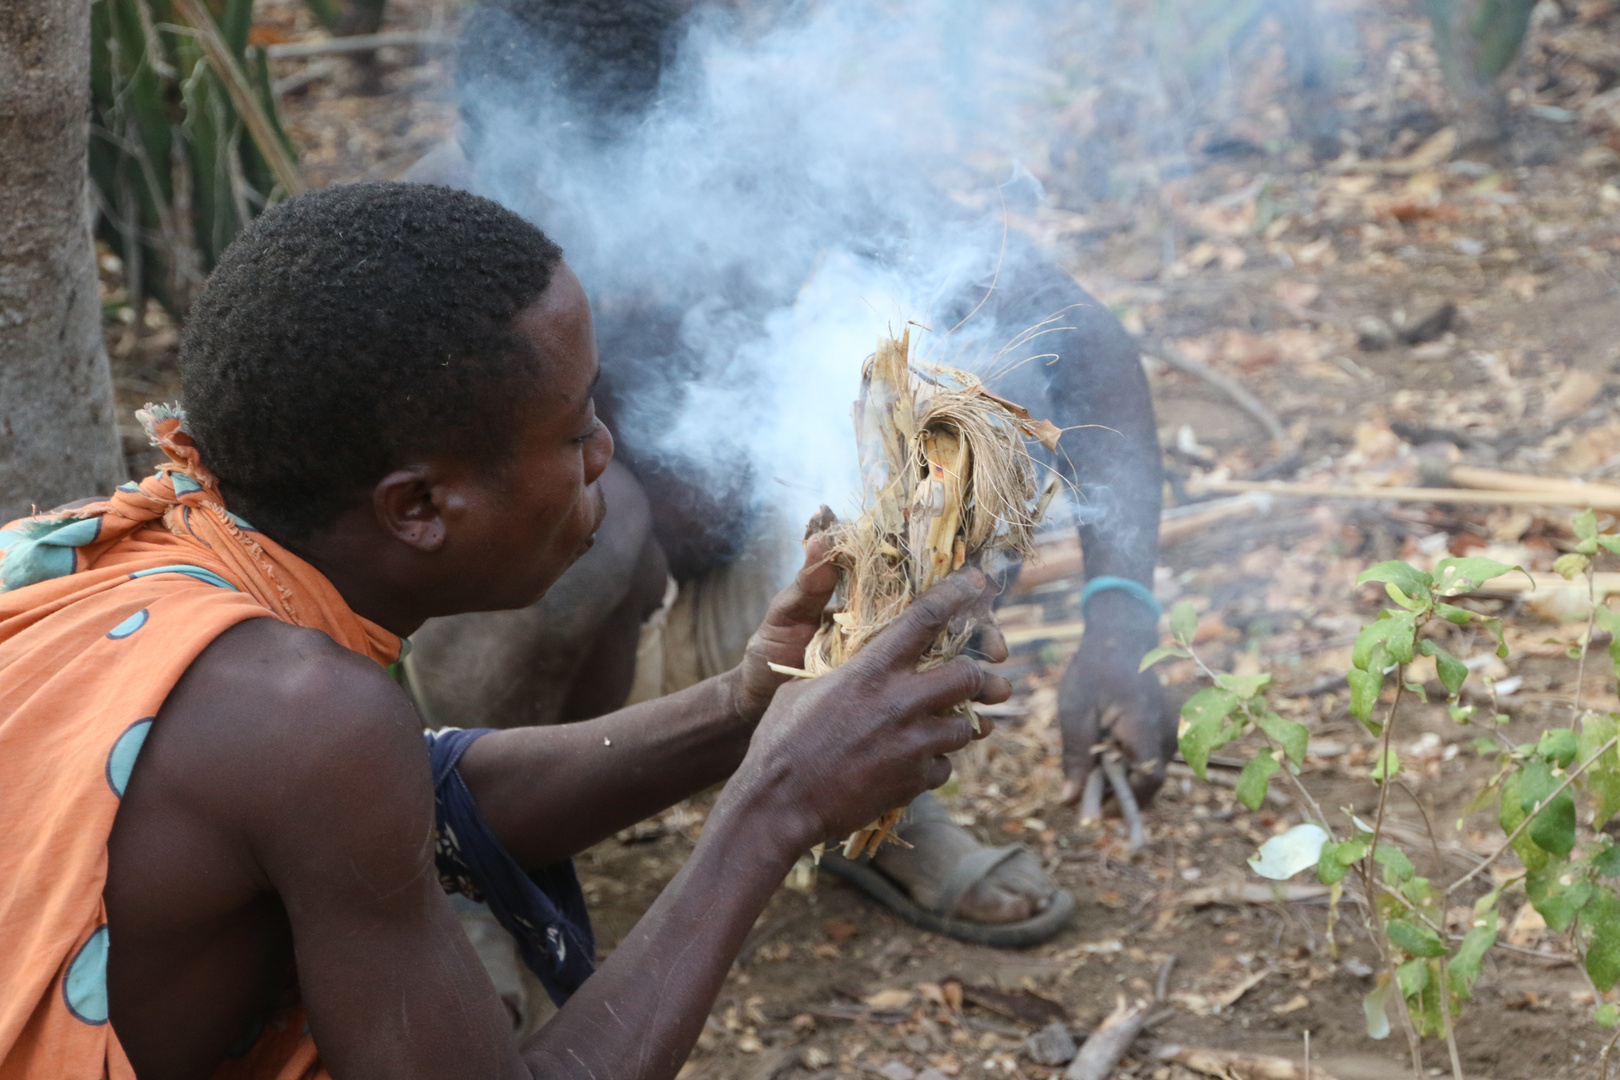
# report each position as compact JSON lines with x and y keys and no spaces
{"x":832,"y":754}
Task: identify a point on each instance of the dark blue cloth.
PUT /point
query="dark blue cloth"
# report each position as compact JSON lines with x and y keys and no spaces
{"x":544,"y":910}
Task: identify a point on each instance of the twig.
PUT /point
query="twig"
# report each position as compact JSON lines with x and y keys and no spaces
{"x":1126,"y":798}
{"x":1091,"y":801}
{"x":1107,"y":1044}
{"x":1383,"y":788}
{"x":1161,"y":985}
{"x":1233,"y":389}
{"x":295,"y":50}
{"x":1451,"y":1029}
{"x":1428,"y":826}
{"x":1607,"y":1050}
{"x":1369,"y":872}
{"x":1586,"y":641}
{"x":1531,"y":816}
{"x":1456,"y":496}
{"x":241,"y":94}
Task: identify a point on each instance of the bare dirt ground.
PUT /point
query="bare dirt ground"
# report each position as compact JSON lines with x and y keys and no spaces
{"x":1305,"y":277}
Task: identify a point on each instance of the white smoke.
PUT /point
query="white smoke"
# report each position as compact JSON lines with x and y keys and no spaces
{"x":796,"y":192}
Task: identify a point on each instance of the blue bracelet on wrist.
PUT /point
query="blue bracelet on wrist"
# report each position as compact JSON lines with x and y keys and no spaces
{"x":1134,"y":589}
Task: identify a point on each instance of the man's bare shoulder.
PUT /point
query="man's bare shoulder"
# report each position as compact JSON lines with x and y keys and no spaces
{"x":277,"y":723}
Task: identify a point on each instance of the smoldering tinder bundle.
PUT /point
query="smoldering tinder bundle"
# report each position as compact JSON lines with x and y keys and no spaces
{"x":946,"y":476}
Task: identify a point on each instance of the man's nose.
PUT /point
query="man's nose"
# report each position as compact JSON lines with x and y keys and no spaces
{"x":598,"y":452}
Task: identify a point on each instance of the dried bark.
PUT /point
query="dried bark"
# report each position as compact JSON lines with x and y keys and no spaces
{"x":58,"y":439}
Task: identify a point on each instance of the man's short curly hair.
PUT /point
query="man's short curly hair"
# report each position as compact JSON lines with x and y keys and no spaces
{"x":345,"y":331}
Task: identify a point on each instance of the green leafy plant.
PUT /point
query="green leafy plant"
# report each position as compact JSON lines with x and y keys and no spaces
{"x":1552,"y":797}
{"x":185,"y":146}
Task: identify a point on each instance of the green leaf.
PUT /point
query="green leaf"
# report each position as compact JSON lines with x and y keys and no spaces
{"x":1458,"y":576}
{"x":1329,"y":870}
{"x":1585,"y":527}
{"x":1414,"y":940}
{"x":1292,"y":737}
{"x":1397,"y":867}
{"x":1460,"y":714}
{"x":1183,"y":622}
{"x":1611,"y":544}
{"x":1510,"y":815}
{"x":1465,"y":963}
{"x":1493,"y":623}
{"x":1602,"y":777}
{"x":1607,"y":862}
{"x":1206,"y":713}
{"x":1386,"y":640}
{"x":1452,"y":671}
{"x":1252,"y":781}
{"x":1388,"y":765}
{"x":1600,"y":923}
{"x":1557,"y":893}
{"x":1424,"y":1002}
{"x":1554,"y":828}
{"x":1244,"y":686}
{"x":1364,"y":688}
{"x":1413,"y":977}
{"x":1161,"y":653}
{"x":1571,"y":565}
{"x":1558,"y":746}
{"x":1407,"y":602}
{"x":1453,"y":614}
{"x":1337,"y":859}
{"x":1606,"y":1015}
{"x":1408,"y":578}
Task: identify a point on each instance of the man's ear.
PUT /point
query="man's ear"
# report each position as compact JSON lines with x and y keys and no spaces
{"x":411,"y":505}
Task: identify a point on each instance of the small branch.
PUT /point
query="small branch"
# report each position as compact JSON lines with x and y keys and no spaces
{"x":1451,"y":1032}
{"x":294,"y":50}
{"x":1107,"y":1044}
{"x":1161,"y":986}
{"x":1233,"y":389}
{"x":1531,"y":816}
{"x":242,"y":96}
{"x":1586,"y":642}
{"x":1383,"y":788}
{"x":1115,"y":771}
{"x":1608,"y":1049}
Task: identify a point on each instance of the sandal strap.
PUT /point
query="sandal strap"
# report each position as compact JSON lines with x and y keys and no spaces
{"x":973,"y":868}
{"x":925,"y":807}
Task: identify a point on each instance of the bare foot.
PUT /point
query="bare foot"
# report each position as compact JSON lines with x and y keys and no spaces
{"x":1018,"y":889}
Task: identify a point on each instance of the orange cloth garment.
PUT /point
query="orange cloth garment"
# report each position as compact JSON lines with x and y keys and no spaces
{"x":102,"y":609}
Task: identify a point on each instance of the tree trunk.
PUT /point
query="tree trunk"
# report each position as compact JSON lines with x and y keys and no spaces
{"x":58,"y":438}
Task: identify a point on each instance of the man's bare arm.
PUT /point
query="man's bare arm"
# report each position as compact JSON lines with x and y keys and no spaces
{"x":550,"y":792}
{"x":316,"y":786}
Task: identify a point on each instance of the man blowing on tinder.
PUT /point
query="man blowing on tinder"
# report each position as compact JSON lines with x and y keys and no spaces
{"x":228,"y":843}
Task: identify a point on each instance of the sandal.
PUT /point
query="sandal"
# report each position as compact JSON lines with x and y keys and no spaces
{"x":940,"y":917}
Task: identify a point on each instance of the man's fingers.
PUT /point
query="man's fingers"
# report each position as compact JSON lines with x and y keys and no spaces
{"x":946,"y":686}
{"x":945,"y":733}
{"x":905,"y":639}
{"x":988,"y":643}
{"x":937,"y":772}
{"x":803,"y":601}
{"x":994,"y":690}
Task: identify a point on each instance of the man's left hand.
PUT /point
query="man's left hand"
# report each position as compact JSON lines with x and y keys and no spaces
{"x":793,"y":619}
{"x":1104,"y":698}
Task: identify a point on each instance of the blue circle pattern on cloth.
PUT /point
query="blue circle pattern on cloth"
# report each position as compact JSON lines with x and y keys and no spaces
{"x":121,"y":762}
{"x":129,"y":625}
{"x":85,"y":987}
